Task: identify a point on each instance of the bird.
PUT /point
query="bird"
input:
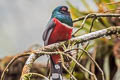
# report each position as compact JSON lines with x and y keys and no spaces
{"x":59,"y":28}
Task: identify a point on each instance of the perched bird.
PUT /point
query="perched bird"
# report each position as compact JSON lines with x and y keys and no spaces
{"x":59,"y":28}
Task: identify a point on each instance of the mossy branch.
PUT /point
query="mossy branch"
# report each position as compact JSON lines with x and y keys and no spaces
{"x":84,"y":38}
{"x":46,"y":50}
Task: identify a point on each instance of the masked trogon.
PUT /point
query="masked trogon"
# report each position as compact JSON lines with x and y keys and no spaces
{"x":59,"y":28}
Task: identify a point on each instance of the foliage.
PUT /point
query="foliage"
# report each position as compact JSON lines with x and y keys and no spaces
{"x":103,"y":46}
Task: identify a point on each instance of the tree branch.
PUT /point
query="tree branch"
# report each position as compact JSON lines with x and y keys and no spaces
{"x":84,"y":38}
{"x":97,"y":15}
{"x":28,"y":65}
{"x":11,"y":62}
{"x":80,"y":39}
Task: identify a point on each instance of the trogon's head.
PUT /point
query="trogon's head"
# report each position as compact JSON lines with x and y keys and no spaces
{"x":62,"y":14}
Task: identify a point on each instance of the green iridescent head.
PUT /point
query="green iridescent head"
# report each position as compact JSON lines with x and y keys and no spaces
{"x":63,"y":15}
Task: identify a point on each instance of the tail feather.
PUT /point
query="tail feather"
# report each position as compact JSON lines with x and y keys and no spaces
{"x":56,"y":71}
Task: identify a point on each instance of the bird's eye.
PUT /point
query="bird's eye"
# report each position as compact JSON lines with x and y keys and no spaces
{"x":63,"y":9}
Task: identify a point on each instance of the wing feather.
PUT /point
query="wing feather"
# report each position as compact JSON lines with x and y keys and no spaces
{"x":47,"y":32}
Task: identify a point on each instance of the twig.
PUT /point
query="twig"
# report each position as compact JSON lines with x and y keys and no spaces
{"x":92,"y":23}
{"x":61,"y":54}
{"x":82,"y":25}
{"x":84,"y":69}
{"x":97,"y":15}
{"x":78,"y":58}
{"x":89,"y":32}
{"x":77,"y":51}
{"x":111,"y":10}
{"x":88,"y":42}
{"x":113,"y":3}
{"x":10,"y":63}
{"x":92,"y":64}
{"x":28,"y":75}
{"x":95,"y":63}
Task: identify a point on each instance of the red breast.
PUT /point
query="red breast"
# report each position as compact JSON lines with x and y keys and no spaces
{"x":60,"y":32}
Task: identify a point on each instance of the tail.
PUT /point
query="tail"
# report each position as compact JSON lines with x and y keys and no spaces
{"x":56,"y":71}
